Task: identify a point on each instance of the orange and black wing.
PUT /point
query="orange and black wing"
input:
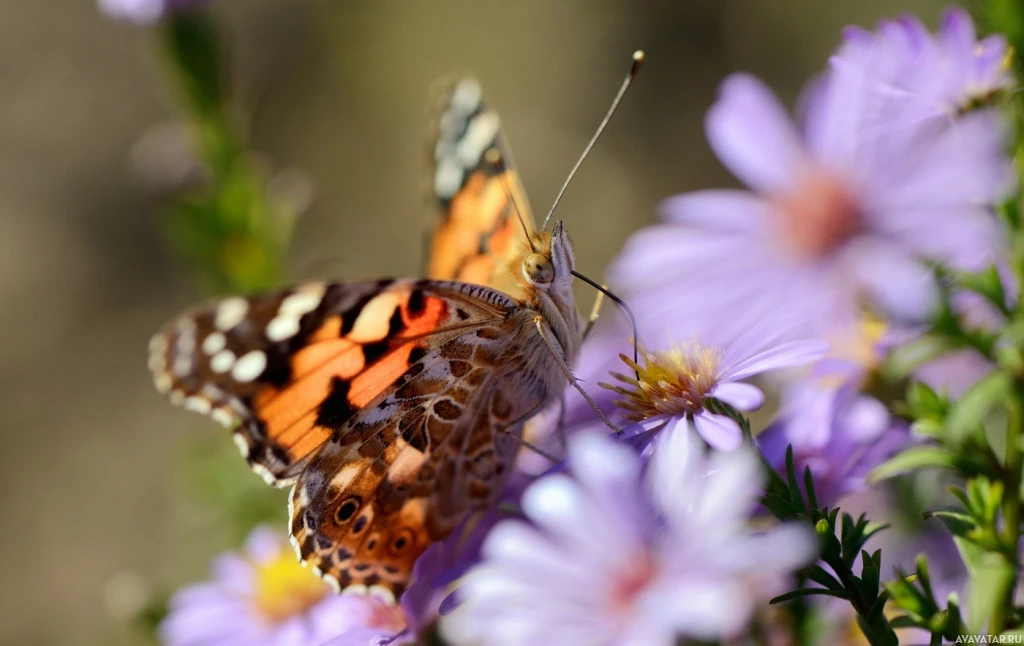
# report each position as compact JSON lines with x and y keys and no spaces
{"x":473,"y":186}
{"x":288,"y":369}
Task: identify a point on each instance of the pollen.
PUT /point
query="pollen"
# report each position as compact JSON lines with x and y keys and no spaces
{"x":286,"y":589}
{"x":674,"y":382}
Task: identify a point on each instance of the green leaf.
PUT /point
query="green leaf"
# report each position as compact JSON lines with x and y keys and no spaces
{"x":992,"y":576}
{"x":986,"y":282}
{"x":808,"y":592}
{"x":913,"y":459}
{"x":958,"y":523}
{"x":903,"y":361}
{"x":822,"y":577}
{"x":967,"y":413}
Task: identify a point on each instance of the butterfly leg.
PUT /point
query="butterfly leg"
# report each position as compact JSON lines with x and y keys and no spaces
{"x":546,"y":334}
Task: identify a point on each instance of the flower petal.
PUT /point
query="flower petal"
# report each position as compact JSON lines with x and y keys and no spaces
{"x":741,"y":396}
{"x":719,"y":431}
{"x":724,"y":210}
{"x":786,"y":355}
{"x":753,"y":136}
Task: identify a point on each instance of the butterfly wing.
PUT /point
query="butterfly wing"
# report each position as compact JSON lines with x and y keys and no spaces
{"x":290,"y":368}
{"x":406,"y":469}
{"x":472,"y":178}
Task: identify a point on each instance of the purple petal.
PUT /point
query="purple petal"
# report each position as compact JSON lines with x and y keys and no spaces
{"x":741,"y":396}
{"x":786,"y":355}
{"x":719,"y":431}
{"x":725,"y":210}
{"x":899,"y":283}
{"x":753,"y":136}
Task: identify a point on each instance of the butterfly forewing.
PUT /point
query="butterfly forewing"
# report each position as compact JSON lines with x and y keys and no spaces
{"x":473,"y":183}
{"x":291,"y":367}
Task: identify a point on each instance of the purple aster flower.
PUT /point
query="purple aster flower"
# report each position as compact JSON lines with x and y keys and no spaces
{"x":144,"y":12}
{"x":842,"y":210}
{"x":264,"y":597}
{"x":938,"y":76}
{"x":620,"y":554}
{"x":673,"y":389}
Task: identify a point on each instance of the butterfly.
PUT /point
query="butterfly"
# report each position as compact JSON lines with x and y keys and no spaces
{"x":394,"y":407}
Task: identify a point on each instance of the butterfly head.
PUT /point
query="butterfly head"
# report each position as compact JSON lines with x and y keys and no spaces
{"x":549,"y":263}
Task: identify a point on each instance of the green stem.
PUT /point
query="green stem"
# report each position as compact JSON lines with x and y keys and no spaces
{"x":877,"y":631}
{"x":1011,"y":507}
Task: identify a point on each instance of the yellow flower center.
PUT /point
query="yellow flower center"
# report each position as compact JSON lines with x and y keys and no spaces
{"x":285,"y":589}
{"x":673,"y":382}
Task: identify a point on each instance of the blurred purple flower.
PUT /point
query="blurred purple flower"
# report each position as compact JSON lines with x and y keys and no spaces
{"x":835,"y":430}
{"x":937,"y":76}
{"x":264,"y":597}
{"x":673,"y":388}
{"x":144,"y":12}
{"x":845,"y":209}
{"x":617,"y":555}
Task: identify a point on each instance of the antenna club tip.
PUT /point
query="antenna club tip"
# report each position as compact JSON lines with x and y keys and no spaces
{"x":638,"y":60}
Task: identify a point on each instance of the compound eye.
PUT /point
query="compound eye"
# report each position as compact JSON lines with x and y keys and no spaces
{"x":538,"y":269}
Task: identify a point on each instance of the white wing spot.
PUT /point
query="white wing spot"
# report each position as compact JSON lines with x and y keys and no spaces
{"x":162,"y":382}
{"x":305,"y":299}
{"x":356,"y":588}
{"x":383,"y":593}
{"x":466,"y":97}
{"x":230,"y":313}
{"x":176,"y":397}
{"x":158,"y":344}
{"x":282,"y":327}
{"x":249,"y":366}
{"x":447,"y":178}
{"x":182,"y":365}
{"x":197,"y":404}
{"x":481,"y":132}
{"x":214,"y":342}
{"x":332,"y":581}
{"x":241,"y":443}
{"x":222,"y":416}
{"x":222,"y":361}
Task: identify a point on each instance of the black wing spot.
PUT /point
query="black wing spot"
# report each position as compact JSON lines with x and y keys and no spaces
{"x":396,"y":324}
{"x":417,"y":304}
{"x":348,"y":509}
{"x":416,"y":354}
{"x":336,"y":409}
{"x":374,"y":351}
{"x":360,"y":525}
{"x":461,"y":313}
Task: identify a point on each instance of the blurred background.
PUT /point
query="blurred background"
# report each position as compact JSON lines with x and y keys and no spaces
{"x":101,"y":518}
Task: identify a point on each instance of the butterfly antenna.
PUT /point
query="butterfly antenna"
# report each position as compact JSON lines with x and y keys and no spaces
{"x":638,"y":60}
{"x":622,"y":305}
{"x":494,"y":157}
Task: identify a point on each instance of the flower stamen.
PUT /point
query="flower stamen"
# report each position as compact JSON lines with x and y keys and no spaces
{"x":674,"y":382}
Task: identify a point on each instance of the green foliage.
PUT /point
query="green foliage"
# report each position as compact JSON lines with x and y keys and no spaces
{"x":842,"y":542}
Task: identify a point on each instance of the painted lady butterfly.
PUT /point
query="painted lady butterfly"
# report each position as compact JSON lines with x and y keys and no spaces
{"x":394,"y":407}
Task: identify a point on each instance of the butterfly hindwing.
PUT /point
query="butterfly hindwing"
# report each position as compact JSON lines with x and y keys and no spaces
{"x":405,"y":470}
{"x":472,"y":179}
{"x":290,"y":368}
